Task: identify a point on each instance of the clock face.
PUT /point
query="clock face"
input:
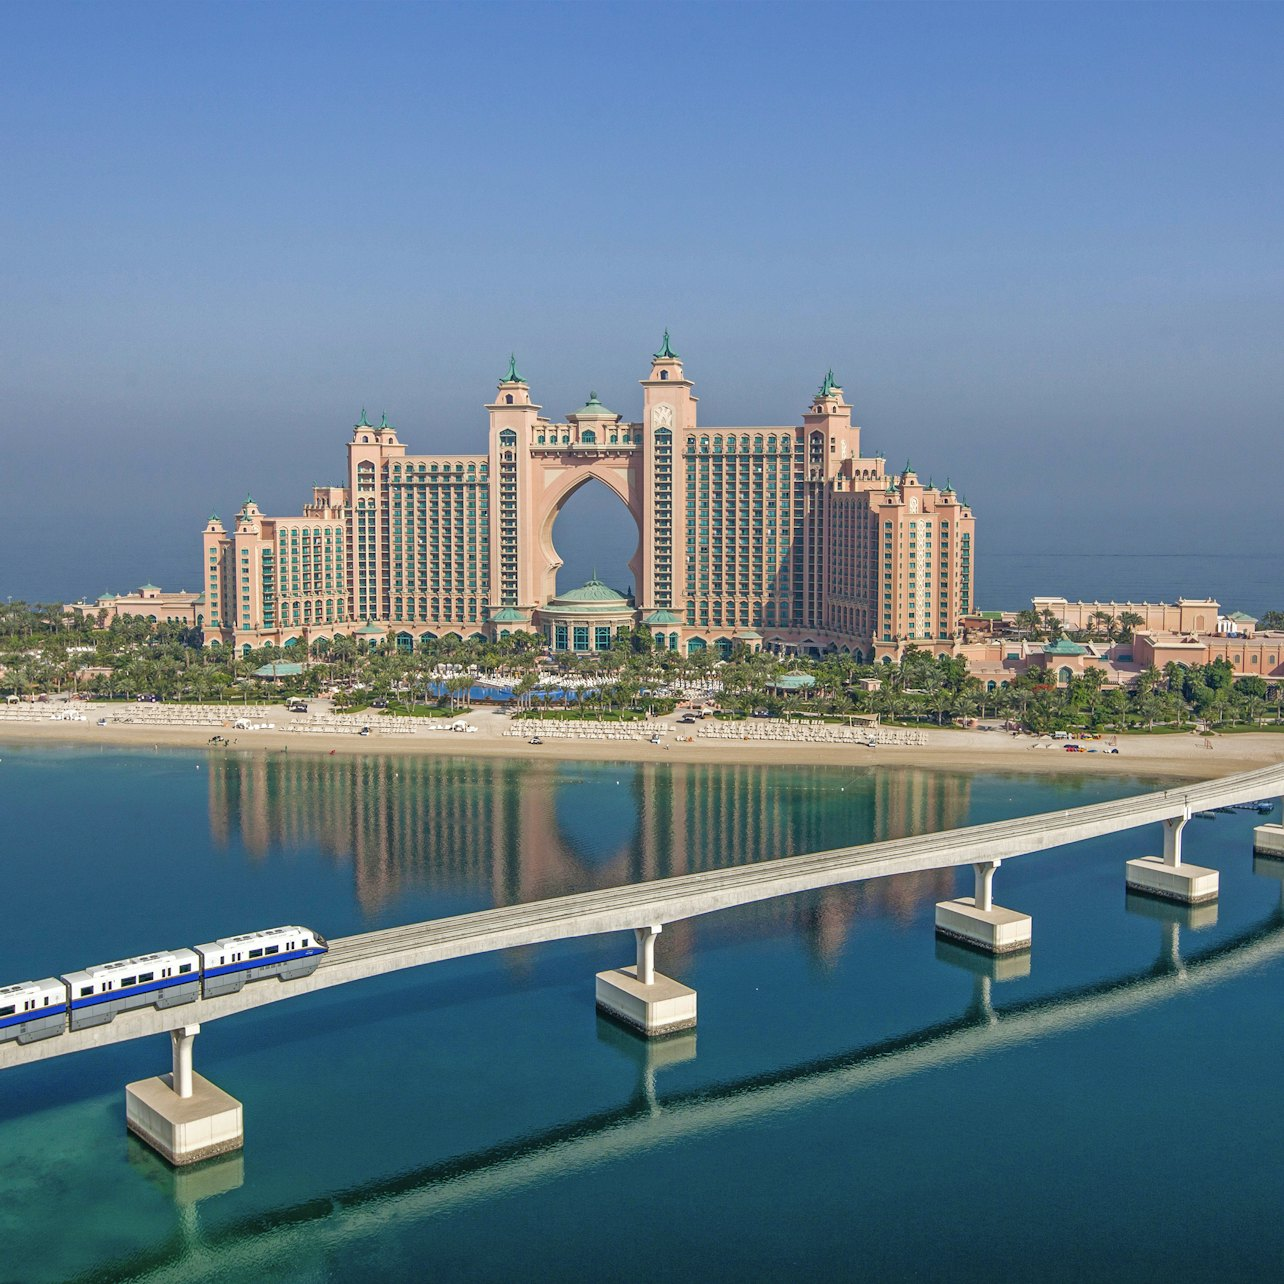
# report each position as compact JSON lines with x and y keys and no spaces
{"x":913,"y":504}
{"x":662,"y":417}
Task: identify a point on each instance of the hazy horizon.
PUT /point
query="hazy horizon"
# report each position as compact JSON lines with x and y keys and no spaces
{"x":1039,"y":246}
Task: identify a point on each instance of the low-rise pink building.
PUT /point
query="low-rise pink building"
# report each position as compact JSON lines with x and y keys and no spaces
{"x":146,"y":603}
{"x":1186,"y":615}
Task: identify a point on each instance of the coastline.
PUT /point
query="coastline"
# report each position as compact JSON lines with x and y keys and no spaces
{"x":1181,"y":756}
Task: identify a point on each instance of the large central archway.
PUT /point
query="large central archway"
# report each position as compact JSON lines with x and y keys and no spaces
{"x":593,"y":535}
{"x":560,"y":481}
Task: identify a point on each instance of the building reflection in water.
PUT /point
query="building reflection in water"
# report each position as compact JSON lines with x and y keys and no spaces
{"x":506,"y":831}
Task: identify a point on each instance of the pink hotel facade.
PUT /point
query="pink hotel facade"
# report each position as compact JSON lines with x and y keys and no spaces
{"x":780,"y":537}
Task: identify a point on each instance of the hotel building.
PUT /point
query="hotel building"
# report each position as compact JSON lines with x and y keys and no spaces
{"x":780,"y":537}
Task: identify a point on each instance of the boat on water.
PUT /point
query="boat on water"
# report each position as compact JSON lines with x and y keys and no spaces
{"x":1205,"y":815}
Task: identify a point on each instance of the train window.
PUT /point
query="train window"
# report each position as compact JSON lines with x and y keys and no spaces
{"x":86,"y":991}
{"x":184,"y":967}
{"x":272,"y":949}
{"x":145,"y":976}
{"x":256,"y":954}
{"x":9,"y":1011}
{"x":306,"y":942}
{"x":108,"y":984}
{"x":129,"y":980}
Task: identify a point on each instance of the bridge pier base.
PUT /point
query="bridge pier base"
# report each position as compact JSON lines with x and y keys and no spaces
{"x":182,"y":1116}
{"x":1268,"y":840}
{"x":976,"y":921}
{"x":641,"y":998}
{"x":1168,"y":876}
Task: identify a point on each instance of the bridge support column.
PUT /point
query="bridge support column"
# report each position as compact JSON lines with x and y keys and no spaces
{"x":1168,"y":876}
{"x":182,"y":1116}
{"x":643,"y":999}
{"x":978,"y":922}
{"x":1268,"y":840}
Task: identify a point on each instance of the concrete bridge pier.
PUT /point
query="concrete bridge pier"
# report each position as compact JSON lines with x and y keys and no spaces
{"x":643,"y":999}
{"x":1268,"y":839}
{"x":978,"y":922}
{"x":1167,"y":876}
{"x":182,"y":1116}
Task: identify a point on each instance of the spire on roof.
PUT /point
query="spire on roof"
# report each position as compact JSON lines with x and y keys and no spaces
{"x":511,"y":375}
{"x":383,"y":422}
{"x":828,"y":387}
{"x":909,"y":468}
{"x":363,"y":422}
{"x":949,"y":490}
{"x":666,"y":350}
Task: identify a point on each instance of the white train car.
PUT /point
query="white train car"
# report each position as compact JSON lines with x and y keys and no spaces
{"x":165,"y":979}
{"x":33,"y":1010}
{"x":286,"y":953}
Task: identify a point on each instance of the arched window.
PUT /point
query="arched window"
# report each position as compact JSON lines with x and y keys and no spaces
{"x":664,"y":374}
{"x":509,"y":398}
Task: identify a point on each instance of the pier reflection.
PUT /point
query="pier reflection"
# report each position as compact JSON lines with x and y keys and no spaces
{"x":506,"y":832}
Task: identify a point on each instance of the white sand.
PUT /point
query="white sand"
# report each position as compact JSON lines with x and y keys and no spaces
{"x":1186,"y":756}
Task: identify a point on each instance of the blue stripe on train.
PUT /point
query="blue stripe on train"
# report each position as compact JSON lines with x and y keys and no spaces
{"x":34,"y":1015}
{"x":267,"y":961}
{"x":88,"y":1001}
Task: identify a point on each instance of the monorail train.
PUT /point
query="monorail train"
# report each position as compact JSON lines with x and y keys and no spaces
{"x":93,"y":996}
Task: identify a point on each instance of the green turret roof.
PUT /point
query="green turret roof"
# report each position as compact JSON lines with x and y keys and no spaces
{"x":383,"y":423}
{"x":829,"y":385}
{"x":666,"y":351}
{"x":363,"y":422}
{"x":594,"y":409}
{"x":1064,"y":647}
{"x":593,"y":591}
{"x":511,"y":376}
{"x":662,"y":616}
{"x":508,"y":615}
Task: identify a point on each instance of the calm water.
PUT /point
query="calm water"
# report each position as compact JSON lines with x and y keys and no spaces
{"x":856,"y":1103}
{"x":1240,"y":582}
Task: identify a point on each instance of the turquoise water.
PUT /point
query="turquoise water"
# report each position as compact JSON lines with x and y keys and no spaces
{"x":857,"y":1102}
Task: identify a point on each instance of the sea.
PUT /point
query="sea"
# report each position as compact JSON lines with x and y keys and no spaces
{"x":1252,"y":583}
{"x":858,"y":1101}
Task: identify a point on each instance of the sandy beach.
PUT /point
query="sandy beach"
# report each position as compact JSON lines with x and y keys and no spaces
{"x":1173,"y":756}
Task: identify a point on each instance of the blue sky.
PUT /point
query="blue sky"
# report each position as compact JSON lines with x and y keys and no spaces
{"x":1039,"y":244}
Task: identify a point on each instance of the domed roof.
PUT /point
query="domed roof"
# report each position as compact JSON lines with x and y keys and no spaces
{"x":593,"y":591}
{"x":593,"y":409}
